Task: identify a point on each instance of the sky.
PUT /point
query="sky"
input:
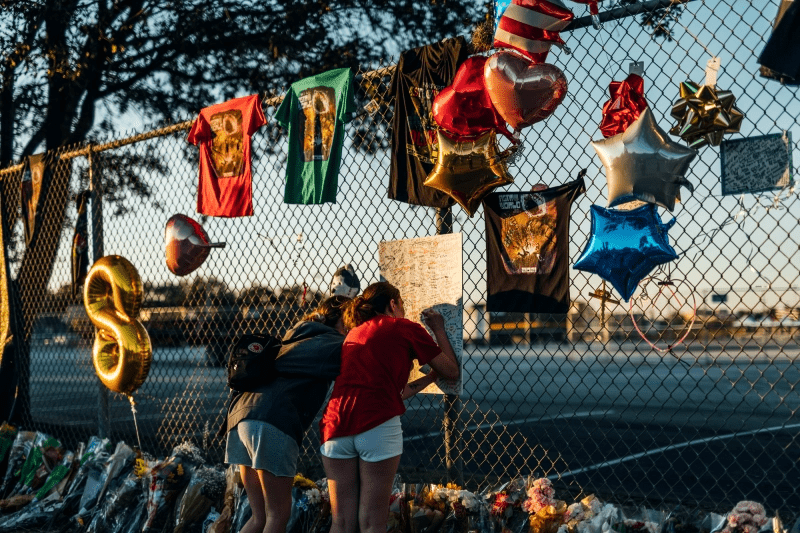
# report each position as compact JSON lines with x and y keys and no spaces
{"x":726,"y":244}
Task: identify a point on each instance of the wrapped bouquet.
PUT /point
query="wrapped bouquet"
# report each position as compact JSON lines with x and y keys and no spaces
{"x":167,"y":480}
{"x":20,"y":448}
{"x":506,"y":507}
{"x":463,"y":509}
{"x":746,"y":517}
{"x":546,"y":514}
{"x":205,"y":491}
{"x":310,"y":506}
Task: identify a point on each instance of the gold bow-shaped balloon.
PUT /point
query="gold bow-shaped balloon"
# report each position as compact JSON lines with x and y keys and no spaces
{"x":705,"y":114}
{"x":122,"y":352}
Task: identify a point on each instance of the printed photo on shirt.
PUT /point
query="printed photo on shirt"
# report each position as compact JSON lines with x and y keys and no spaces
{"x":421,"y":124}
{"x":528,"y":234}
{"x":317,"y":122}
{"x":227,"y":150}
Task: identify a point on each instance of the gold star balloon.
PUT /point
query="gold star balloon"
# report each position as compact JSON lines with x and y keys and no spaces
{"x":643,"y":163}
{"x":469,"y":170}
{"x":705,"y":114}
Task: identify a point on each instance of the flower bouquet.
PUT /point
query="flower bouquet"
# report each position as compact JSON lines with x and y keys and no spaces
{"x":640,"y":521}
{"x":107,"y":470}
{"x":595,"y":517}
{"x":233,"y":490}
{"x":20,"y":448}
{"x":123,"y":499}
{"x":7,"y":435}
{"x":506,"y":510}
{"x":426,"y":511}
{"x":400,"y":501}
{"x":683,"y":520}
{"x":44,"y":457}
{"x":463,"y":507}
{"x":205,"y":491}
{"x":310,"y":507}
{"x":546,"y":514}
{"x":746,"y":517}
{"x":167,"y":480}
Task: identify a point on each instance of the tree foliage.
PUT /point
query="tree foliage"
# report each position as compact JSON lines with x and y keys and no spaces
{"x":62,"y":60}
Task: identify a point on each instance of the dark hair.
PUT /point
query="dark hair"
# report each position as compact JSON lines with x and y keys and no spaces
{"x":372,"y":302}
{"x":329,"y":311}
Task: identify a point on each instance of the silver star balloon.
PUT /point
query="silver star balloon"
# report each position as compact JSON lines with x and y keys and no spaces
{"x":643,"y":163}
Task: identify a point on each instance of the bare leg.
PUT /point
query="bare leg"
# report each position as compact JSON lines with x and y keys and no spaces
{"x":255,"y":496}
{"x":277,"y":500}
{"x":376,"y":489}
{"x":343,"y":485}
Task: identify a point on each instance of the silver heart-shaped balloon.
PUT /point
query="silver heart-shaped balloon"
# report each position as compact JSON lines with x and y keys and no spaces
{"x":187,"y":245}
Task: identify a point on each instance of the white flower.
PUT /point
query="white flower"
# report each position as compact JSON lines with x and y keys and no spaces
{"x":314,"y":496}
{"x":469,"y":500}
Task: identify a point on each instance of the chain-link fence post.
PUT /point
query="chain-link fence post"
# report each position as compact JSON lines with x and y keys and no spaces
{"x":452,"y":403}
{"x":95,"y":183}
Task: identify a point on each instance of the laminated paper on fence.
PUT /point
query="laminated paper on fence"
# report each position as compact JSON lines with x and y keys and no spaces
{"x":580,"y":398}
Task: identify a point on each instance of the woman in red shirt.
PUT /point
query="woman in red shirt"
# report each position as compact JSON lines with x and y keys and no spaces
{"x":362,"y":439}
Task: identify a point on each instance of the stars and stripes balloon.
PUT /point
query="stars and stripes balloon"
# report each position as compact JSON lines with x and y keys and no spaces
{"x":531,"y":26}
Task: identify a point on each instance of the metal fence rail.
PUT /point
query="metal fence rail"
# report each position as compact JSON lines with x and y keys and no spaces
{"x":582,"y":399}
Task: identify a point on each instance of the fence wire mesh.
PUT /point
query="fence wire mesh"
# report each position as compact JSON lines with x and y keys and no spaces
{"x":581,"y":398}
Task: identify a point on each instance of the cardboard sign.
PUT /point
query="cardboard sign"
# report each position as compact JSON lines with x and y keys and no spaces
{"x":756,"y":164}
{"x":428,"y":273}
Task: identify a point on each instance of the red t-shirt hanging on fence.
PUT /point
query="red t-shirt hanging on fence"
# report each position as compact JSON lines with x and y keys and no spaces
{"x":376,"y":363}
{"x":223,"y":133}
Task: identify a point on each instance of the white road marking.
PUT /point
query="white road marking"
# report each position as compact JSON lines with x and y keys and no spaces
{"x":517,"y":422}
{"x":667,"y":448}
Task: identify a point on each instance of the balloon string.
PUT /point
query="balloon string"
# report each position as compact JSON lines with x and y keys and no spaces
{"x":135,"y":423}
{"x":611,"y":59}
{"x":686,"y":330}
{"x":677,"y":20}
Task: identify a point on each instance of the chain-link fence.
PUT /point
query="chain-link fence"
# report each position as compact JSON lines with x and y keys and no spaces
{"x":581,"y":398}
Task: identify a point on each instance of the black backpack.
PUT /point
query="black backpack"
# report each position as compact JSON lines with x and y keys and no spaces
{"x":251,"y":363}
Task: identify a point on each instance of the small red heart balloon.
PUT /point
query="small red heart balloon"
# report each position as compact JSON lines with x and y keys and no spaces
{"x":465,"y":108}
{"x":523,"y":92}
{"x":187,"y":245}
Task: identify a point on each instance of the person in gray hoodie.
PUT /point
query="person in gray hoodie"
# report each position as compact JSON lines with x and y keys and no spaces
{"x":265,"y":428}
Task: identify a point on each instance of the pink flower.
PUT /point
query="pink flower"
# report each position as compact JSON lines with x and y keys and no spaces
{"x":540,"y":495}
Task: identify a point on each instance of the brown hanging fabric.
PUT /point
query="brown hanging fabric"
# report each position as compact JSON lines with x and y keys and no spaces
{"x":80,"y":245}
{"x":32,"y":183}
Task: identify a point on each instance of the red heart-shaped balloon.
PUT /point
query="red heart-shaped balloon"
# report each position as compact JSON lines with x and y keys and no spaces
{"x":523,"y":92}
{"x":465,"y":108}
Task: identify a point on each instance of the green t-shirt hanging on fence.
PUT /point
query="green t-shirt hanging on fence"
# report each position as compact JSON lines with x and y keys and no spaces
{"x":314,"y":111}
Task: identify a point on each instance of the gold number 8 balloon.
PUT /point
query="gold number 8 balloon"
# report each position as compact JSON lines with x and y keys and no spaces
{"x":122,"y":352}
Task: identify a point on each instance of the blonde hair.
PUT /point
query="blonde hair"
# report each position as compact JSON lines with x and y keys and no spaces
{"x":329,"y":311}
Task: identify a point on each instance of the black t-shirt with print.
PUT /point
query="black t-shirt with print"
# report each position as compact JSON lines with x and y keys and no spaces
{"x":420,"y":75}
{"x":527,"y":249}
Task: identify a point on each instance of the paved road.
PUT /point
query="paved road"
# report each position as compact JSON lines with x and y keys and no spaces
{"x":707,"y":426}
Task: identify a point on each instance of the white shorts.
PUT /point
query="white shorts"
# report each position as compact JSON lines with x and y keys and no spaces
{"x":377,"y":444}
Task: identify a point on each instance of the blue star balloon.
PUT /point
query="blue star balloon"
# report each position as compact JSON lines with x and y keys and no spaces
{"x":625,"y":246}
